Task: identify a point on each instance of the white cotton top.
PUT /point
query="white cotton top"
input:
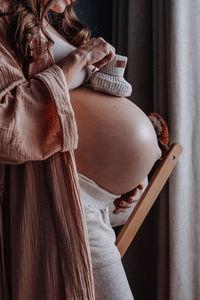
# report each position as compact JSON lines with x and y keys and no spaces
{"x":61,"y":49}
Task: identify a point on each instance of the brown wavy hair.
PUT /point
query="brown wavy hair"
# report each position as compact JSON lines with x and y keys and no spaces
{"x":27,"y":20}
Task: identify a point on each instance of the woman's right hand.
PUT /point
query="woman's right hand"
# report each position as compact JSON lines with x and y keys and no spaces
{"x":95,"y":52}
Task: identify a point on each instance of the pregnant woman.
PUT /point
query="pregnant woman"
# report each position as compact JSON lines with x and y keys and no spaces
{"x":44,"y":230}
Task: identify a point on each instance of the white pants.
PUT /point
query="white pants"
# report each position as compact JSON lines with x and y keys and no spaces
{"x":109,"y":276}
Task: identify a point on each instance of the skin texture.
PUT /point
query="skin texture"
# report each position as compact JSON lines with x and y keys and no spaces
{"x":117,"y":142}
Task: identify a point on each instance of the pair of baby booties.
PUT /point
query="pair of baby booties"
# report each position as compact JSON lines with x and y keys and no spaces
{"x":109,"y":79}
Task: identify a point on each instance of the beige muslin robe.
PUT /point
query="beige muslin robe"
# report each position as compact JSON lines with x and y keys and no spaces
{"x":44,"y":249}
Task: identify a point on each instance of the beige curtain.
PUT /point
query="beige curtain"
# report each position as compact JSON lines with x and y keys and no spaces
{"x":162,"y":41}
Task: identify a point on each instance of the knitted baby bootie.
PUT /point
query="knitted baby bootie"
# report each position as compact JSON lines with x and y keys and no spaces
{"x":109,"y":79}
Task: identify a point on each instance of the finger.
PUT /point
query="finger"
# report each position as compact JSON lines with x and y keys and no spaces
{"x":124,"y":204}
{"x":117,"y":201}
{"x":134,"y":196}
{"x":132,"y":199}
{"x":109,"y":55}
{"x":135,"y":192}
{"x":118,"y":210}
{"x":121,"y":203}
{"x":104,"y":61}
{"x":127,"y":198}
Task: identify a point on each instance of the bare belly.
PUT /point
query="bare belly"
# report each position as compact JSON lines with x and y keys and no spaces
{"x":117,"y":142}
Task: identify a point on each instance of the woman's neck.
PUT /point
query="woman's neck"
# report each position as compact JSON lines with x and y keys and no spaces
{"x":50,"y":28}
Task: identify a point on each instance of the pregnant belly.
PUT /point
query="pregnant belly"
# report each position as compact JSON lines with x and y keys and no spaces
{"x":117,"y":142}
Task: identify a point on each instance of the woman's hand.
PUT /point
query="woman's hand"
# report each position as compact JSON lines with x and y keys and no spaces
{"x":95,"y":52}
{"x":126,"y":200}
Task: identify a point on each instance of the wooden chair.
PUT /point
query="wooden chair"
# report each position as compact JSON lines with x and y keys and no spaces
{"x":148,"y":198}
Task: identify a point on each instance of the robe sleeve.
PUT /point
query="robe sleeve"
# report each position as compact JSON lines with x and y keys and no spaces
{"x":36,"y":116}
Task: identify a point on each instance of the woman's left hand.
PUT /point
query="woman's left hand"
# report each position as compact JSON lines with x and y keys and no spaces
{"x":126,"y":200}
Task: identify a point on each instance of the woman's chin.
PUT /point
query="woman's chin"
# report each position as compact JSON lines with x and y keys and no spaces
{"x":59,"y":8}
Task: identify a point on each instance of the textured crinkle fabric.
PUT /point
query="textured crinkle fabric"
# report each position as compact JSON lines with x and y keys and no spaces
{"x":44,"y":244}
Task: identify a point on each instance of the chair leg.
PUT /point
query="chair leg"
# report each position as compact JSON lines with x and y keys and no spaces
{"x":148,"y":198}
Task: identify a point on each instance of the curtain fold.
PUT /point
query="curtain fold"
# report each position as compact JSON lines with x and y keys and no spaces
{"x":161,"y":62}
{"x":184,"y":108}
{"x":132,"y":36}
{"x":161,"y":40}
